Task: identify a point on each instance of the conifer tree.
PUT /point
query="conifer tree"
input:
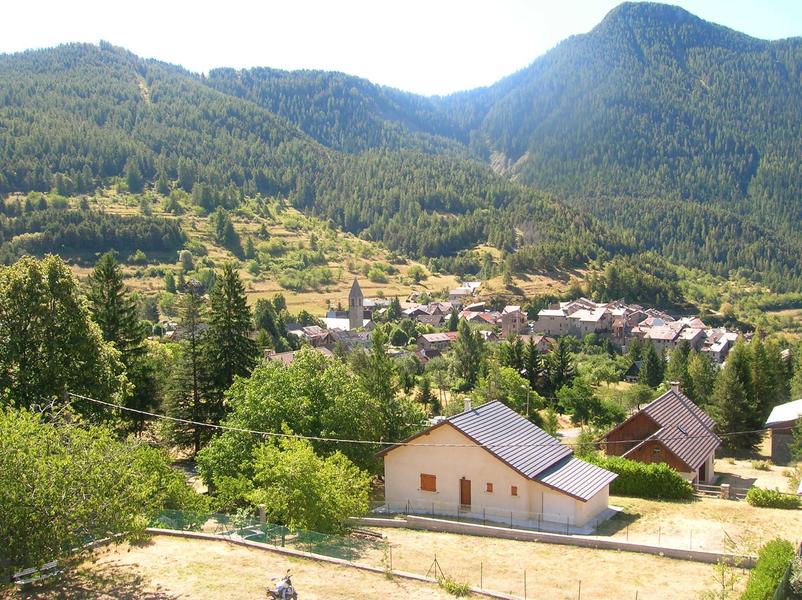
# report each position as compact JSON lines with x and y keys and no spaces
{"x":185,"y":399}
{"x":651,"y":372}
{"x":701,"y":377}
{"x":533,"y":364}
{"x":561,"y":369}
{"x":730,"y":407}
{"x":677,"y":368}
{"x":228,"y":350}
{"x":469,"y":354}
{"x":115,"y":312}
{"x":113,"y":309}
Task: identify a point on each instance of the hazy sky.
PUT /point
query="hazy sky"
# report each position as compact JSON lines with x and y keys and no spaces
{"x":429,"y":47}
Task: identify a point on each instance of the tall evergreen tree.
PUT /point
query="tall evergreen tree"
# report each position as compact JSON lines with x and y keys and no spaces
{"x":701,"y":377}
{"x":453,"y":320}
{"x":469,"y":353}
{"x":561,"y":368}
{"x":185,"y":399}
{"x":533,"y":364}
{"x":651,"y":371}
{"x":228,"y":350}
{"x":115,"y":311}
{"x":730,"y":407}
{"x":677,"y":368}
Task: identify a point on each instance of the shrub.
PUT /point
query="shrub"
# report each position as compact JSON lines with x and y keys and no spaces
{"x":655,"y":480}
{"x":761,"y":465}
{"x":766,"y":498}
{"x":454,"y":587}
{"x":795,"y":583}
{"x":772,"y":561}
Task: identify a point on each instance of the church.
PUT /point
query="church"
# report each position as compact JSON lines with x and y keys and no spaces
{"x":355,"y":317}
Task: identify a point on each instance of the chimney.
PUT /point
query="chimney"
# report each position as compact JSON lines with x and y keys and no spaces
{"x":467,"y":403}
{"x":674,"y":386}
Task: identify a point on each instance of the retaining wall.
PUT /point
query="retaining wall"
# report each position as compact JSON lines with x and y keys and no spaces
{"x":429,"y":524}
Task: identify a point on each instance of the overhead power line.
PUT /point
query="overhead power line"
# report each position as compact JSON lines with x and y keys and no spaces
{"x":315,"y":438}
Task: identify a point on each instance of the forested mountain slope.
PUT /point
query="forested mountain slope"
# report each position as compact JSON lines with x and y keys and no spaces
{"x":655,"y":102}
{"x":347,"y":113}
{"x":80,"y":116}
{"x":675,"y":134}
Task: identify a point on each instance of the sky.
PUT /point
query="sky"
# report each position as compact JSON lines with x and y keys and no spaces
{"x":423,"y":46}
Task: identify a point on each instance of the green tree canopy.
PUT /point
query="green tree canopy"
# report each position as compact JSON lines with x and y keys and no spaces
{"x":303,"y":490}
{"x":63,"y":485}
{"x":49,"y":344}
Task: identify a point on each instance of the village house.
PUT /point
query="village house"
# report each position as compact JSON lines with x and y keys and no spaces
{"x":313,"y":334}
{"x":436,"y":341}
{"x":671,"y":430}
{"x":781,"y":421}
{"x":459,"y":296}
{"x":288,"y":357}
{"x":543,"y":344}
{"x":513,"y":321}
{"x":496,"y":465}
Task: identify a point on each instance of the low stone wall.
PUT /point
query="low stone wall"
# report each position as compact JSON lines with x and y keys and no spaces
{"x":429,"y":524}
{"x":318,"y":557}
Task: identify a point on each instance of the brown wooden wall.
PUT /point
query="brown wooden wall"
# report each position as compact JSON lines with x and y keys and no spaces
{"x":638,"y":428}
{"x":646,"y":454}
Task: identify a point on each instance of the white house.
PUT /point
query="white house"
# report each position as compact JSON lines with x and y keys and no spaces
{"x":491,"y":463}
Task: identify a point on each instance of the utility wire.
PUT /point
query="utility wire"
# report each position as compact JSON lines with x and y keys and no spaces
{"x":402,"y":443}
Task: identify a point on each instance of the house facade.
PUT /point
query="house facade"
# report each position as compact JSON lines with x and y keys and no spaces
{"x":781,"y":421}
{"x":495,"y":465}
{"x":670,"y":430}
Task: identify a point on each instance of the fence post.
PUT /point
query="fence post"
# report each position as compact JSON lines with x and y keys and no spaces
{"x":262,"y":517}
{"x":457,"y":512}
{"x":579,"y":594}
{"x":407,"y":506}
{"x":524,"y":584}
{"x":432,"y":508}
{"x":484,"y":516}
{"x":510,"y":519}
{"x":481,"y":575}
{"x":627,"y":531}
{"x":725,"y":491}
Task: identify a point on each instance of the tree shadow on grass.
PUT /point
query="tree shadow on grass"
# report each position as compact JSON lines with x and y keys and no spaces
{"x":619,"y":522}
{"x":108,"y":580}
{"x":347,"y":547}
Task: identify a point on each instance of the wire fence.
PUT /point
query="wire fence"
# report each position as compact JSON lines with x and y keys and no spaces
{"x":535,"y":521}
{"x":477,"y":565}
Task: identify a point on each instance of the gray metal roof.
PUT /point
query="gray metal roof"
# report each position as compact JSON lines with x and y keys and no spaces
{"x":576,"y":477}
{"x":521,"y":444}
{"x":685,"y":429}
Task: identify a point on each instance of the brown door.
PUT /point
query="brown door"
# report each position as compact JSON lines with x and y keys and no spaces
{"x":465,"y":491}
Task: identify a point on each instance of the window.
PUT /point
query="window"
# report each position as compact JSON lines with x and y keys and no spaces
{"x":489,"y":487}
{"x":656,"y":451}
{"x":514,"y":490}
{"x":428,"y":483}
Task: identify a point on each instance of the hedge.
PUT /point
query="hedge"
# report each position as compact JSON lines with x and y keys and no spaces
{"x":772,"y":561}
{"x":766,"y":498}
{"x":644,"y":480}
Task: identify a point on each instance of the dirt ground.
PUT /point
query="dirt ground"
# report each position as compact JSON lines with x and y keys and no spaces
{"x":172,"y":568}
{"x":701,"y":524}
{"x":737,"y":470}
{"x":552,"y":571}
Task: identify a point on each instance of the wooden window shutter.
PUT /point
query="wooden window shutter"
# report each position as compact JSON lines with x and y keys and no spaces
{"x":428,"y":483}
{"x":514,"y":490}
{"x":489,"y":487}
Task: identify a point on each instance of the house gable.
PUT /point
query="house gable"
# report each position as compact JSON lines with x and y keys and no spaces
{"x":629,"y":434}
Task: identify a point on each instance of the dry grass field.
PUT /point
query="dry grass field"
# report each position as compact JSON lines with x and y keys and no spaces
{"x":171,"y":568}
{"x":552,"y":571}
{"x":703,"y":524}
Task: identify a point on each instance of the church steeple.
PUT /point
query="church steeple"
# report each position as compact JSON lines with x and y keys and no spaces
{"x":356,"y":310}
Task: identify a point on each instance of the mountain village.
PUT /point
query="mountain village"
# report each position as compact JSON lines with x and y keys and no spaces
{"x":284,"y":334}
